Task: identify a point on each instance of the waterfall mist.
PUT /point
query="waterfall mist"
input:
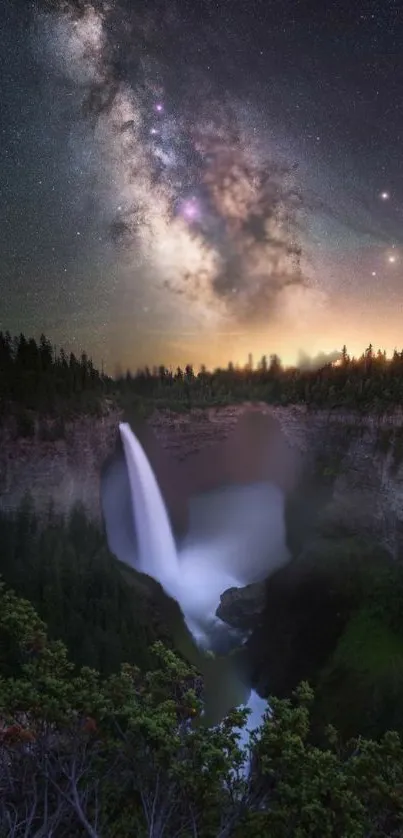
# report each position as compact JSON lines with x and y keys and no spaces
{"x":235,"y":536}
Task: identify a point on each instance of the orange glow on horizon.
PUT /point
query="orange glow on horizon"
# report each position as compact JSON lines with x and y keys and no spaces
{"x":123,"y":345}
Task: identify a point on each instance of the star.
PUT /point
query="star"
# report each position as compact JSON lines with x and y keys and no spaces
{"x":166,"y":173}
{"x":190,"y":209}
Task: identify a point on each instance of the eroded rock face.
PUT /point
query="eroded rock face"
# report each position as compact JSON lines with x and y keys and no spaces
{"x":356,"y":458}
{"x":342,"y":474}
{"x":354,"y":455}
{"x":63,"y":472}
{"x":188,"y":459}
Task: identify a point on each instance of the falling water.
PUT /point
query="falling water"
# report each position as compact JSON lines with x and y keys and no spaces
{"x":195,"y":583}
{"x":196,"y":580}
{"x":157,"y":554}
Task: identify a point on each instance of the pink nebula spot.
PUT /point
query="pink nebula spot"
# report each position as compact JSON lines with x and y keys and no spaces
{"x":190,"y":210}
{"x":159,"y":107}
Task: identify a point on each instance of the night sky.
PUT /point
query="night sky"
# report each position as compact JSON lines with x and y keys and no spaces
{"x":194,"y":182}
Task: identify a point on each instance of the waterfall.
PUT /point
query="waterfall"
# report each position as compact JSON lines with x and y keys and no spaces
{"x":200,"y":573}
{"x":193,"y":581}
{"x":157,"y":554}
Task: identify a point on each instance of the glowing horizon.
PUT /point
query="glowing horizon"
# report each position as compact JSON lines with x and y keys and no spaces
{"x":177,"y":212}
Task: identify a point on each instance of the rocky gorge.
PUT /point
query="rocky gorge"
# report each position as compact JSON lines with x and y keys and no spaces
{"x":342,"y":474}
{"x":351,"y":462}
{"x":356,"y":459}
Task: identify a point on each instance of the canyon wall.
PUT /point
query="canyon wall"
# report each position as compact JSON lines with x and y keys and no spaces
{"x":64,"y":471}
{"x":359,"y":457}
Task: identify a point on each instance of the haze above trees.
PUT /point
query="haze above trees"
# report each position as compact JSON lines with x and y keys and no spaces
{"x":35,"y":376}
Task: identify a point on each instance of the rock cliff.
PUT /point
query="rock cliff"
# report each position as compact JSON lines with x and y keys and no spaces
{"x":343,"y":475}
{"x":356,"y":459}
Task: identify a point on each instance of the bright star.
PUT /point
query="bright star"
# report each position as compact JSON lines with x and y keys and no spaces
{"x":384,"y":196}
{"x":392,"y":259}
{"x":190,"y":209}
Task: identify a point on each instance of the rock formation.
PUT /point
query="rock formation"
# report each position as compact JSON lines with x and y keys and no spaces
{"x":355,"y":459}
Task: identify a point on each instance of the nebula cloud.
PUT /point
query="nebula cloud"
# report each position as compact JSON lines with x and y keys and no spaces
{"x":214,"y":221}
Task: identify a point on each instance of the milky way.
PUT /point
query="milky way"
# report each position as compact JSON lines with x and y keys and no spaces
{"x":200,"y":211}
{"x":194,"y":181}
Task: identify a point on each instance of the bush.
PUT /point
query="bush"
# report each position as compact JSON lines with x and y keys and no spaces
{"x":129,"y":755}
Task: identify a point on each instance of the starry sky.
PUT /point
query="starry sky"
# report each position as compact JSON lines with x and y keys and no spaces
{"x":190,"y":182}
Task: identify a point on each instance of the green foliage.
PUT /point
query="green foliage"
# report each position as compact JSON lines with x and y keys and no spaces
{"x":119,"y":754}
{"x":361,"y":688}
{"x":84,"y":755}
{"x":65,"y":569}
{"x":34,"y":376}
{"x":333,"y":616}
{"x":38,"y":377}
{"x":369,"y":382}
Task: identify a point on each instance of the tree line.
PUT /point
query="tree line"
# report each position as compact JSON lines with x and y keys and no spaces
{"x":63,"y":566}
{"x":36,"y":376}
{"x":371,"y":381}
{"x":39,"y":377}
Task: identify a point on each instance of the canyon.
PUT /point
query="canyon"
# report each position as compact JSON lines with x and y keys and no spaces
{"x":353,"y":460}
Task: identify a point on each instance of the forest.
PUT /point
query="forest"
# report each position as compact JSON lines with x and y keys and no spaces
{"x":35,"y":376}
{"x":86,"y":755}
{"x":101,"y":731}
{"x":63,"y":566}
{"x":101,"y":727}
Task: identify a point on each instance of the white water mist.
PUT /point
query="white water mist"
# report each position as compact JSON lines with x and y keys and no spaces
{"x":236,"y":536}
